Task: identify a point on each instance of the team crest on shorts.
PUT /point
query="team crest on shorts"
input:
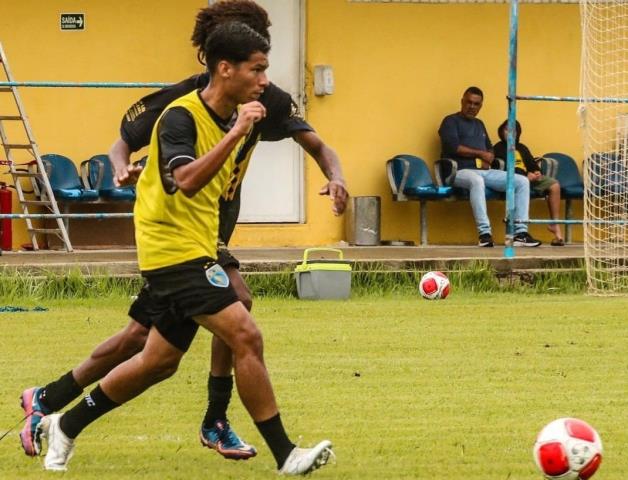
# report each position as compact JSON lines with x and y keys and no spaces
{"x":217,"y":276}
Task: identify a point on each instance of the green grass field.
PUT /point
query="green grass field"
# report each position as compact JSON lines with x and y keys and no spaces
{"x":405,"y":388}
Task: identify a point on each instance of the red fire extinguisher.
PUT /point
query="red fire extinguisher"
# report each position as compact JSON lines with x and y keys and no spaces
{"x":6,"y":235}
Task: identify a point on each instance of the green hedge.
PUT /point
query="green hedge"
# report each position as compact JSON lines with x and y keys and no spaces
{"x":371,"y":279}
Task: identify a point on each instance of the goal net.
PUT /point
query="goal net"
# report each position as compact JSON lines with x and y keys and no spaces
{"x":604,"y":109}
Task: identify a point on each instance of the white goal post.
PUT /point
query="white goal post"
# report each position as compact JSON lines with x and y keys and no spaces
{"x":604,"y":114}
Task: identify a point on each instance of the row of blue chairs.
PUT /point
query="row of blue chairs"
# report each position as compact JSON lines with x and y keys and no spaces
{"x":410,"y":179}
{"x":608,"y":174}
{"x":93,"y":184}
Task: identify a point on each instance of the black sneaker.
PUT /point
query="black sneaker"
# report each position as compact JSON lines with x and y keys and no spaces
{"x":485,"y":240}
{"x":524,"y":239}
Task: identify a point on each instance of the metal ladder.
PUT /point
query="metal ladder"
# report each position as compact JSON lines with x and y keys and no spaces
{"x":38,"y":176}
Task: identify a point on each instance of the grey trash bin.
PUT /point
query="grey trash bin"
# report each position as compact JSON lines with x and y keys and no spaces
{"x":363,"y":221}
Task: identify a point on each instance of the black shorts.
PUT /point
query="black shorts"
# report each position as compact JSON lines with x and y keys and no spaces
{"x":173,"y":295}
{"x":143,"y":308}
{"x":225,"y":259}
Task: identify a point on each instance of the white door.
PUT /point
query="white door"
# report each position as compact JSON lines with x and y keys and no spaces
{"x":272,"y":191}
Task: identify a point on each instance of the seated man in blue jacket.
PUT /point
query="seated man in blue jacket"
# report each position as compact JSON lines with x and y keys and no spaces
{"x":464,"y":139}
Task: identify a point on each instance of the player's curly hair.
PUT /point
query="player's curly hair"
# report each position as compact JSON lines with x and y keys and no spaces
{"x":234,"y":42}
{"x":225,"y":11}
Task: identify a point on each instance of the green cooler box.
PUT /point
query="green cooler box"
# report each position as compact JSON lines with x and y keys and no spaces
{"x":322,"y":279}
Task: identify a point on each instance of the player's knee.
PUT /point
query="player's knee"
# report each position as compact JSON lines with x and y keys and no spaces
{"x":476,"y":182}
{"x":167,"y":371}
{"x":134,"y":340}
{"x":249,"y":339}
{"x":161,"y":367}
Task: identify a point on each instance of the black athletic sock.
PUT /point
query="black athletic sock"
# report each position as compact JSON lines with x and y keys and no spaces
{"x":276,"y":438}
{"x":60,"y":393}
{"x":93,"y":406}
{"x":219,"y":395}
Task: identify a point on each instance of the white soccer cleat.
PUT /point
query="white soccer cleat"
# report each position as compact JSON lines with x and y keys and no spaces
{"x":60,"y":447}
{"x":302,"y":461}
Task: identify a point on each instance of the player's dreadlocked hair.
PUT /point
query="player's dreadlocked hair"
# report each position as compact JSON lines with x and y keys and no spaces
{"x":224,"y":11}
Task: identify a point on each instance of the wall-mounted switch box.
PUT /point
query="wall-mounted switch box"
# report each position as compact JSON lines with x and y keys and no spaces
{"x":323,"y":80}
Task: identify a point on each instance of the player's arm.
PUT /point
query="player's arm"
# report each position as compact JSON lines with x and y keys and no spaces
{"x":193,"y":176}
{"x":135,"y":131}
{"x":123,"y":172}
{"x":137,"y":125}
{"x":329,"y":164}
{"x":285,"y":121}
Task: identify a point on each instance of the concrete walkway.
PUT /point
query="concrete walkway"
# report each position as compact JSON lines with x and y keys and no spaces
{"x":123,"y":262}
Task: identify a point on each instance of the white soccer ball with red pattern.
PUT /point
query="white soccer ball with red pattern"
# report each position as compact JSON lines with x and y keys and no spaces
{"x":568,"y":449}
{"x":434,"y":286}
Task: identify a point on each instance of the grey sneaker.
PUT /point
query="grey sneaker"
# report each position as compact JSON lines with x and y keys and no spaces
{"x":302,"y":461}
{"x":60,"y":447}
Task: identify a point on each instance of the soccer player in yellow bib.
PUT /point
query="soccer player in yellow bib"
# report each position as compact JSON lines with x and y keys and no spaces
{"x":282,"y":120}
{"x":192,"y":151}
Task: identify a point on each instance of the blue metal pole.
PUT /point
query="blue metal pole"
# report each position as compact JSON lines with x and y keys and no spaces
{"x":509,"y":251}
{"x":548,"y":98}
{"x":75,"y":216}
{"x":86,"y":84}
{"x":573,"y":222}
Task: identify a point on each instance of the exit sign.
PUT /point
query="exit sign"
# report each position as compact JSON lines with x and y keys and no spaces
{"x":72,"y":21}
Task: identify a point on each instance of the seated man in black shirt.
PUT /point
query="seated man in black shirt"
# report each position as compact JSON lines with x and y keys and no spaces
{"x":526,"y":164}
{"x":464,"y":139}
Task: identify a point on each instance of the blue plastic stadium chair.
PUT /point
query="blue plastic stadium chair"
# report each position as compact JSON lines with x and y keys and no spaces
{"x":548,"y":166}
{"x":410,"y":179}
{"x":571,"y":184}
{"x":608,"y":174}
{"x":65,"y":181}
{"x":100,"y":177}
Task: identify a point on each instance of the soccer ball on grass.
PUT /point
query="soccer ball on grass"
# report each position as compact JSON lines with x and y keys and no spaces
{"x":568,"y":449}
{"x":434,"y":285}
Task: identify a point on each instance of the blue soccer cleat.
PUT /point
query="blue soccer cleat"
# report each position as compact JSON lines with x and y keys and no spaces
{"x":226,"y":442}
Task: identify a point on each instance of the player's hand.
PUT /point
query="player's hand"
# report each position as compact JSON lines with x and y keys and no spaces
{"x":487,"y":159}
{"x":127,"y":176}
{"x":249,"y":114}
{"x":487,"y":156}
{"x":337,"y":191}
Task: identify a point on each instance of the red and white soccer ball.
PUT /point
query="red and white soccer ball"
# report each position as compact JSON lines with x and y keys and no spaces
{"x":434,"y":286}
{"x":568,"y":449}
